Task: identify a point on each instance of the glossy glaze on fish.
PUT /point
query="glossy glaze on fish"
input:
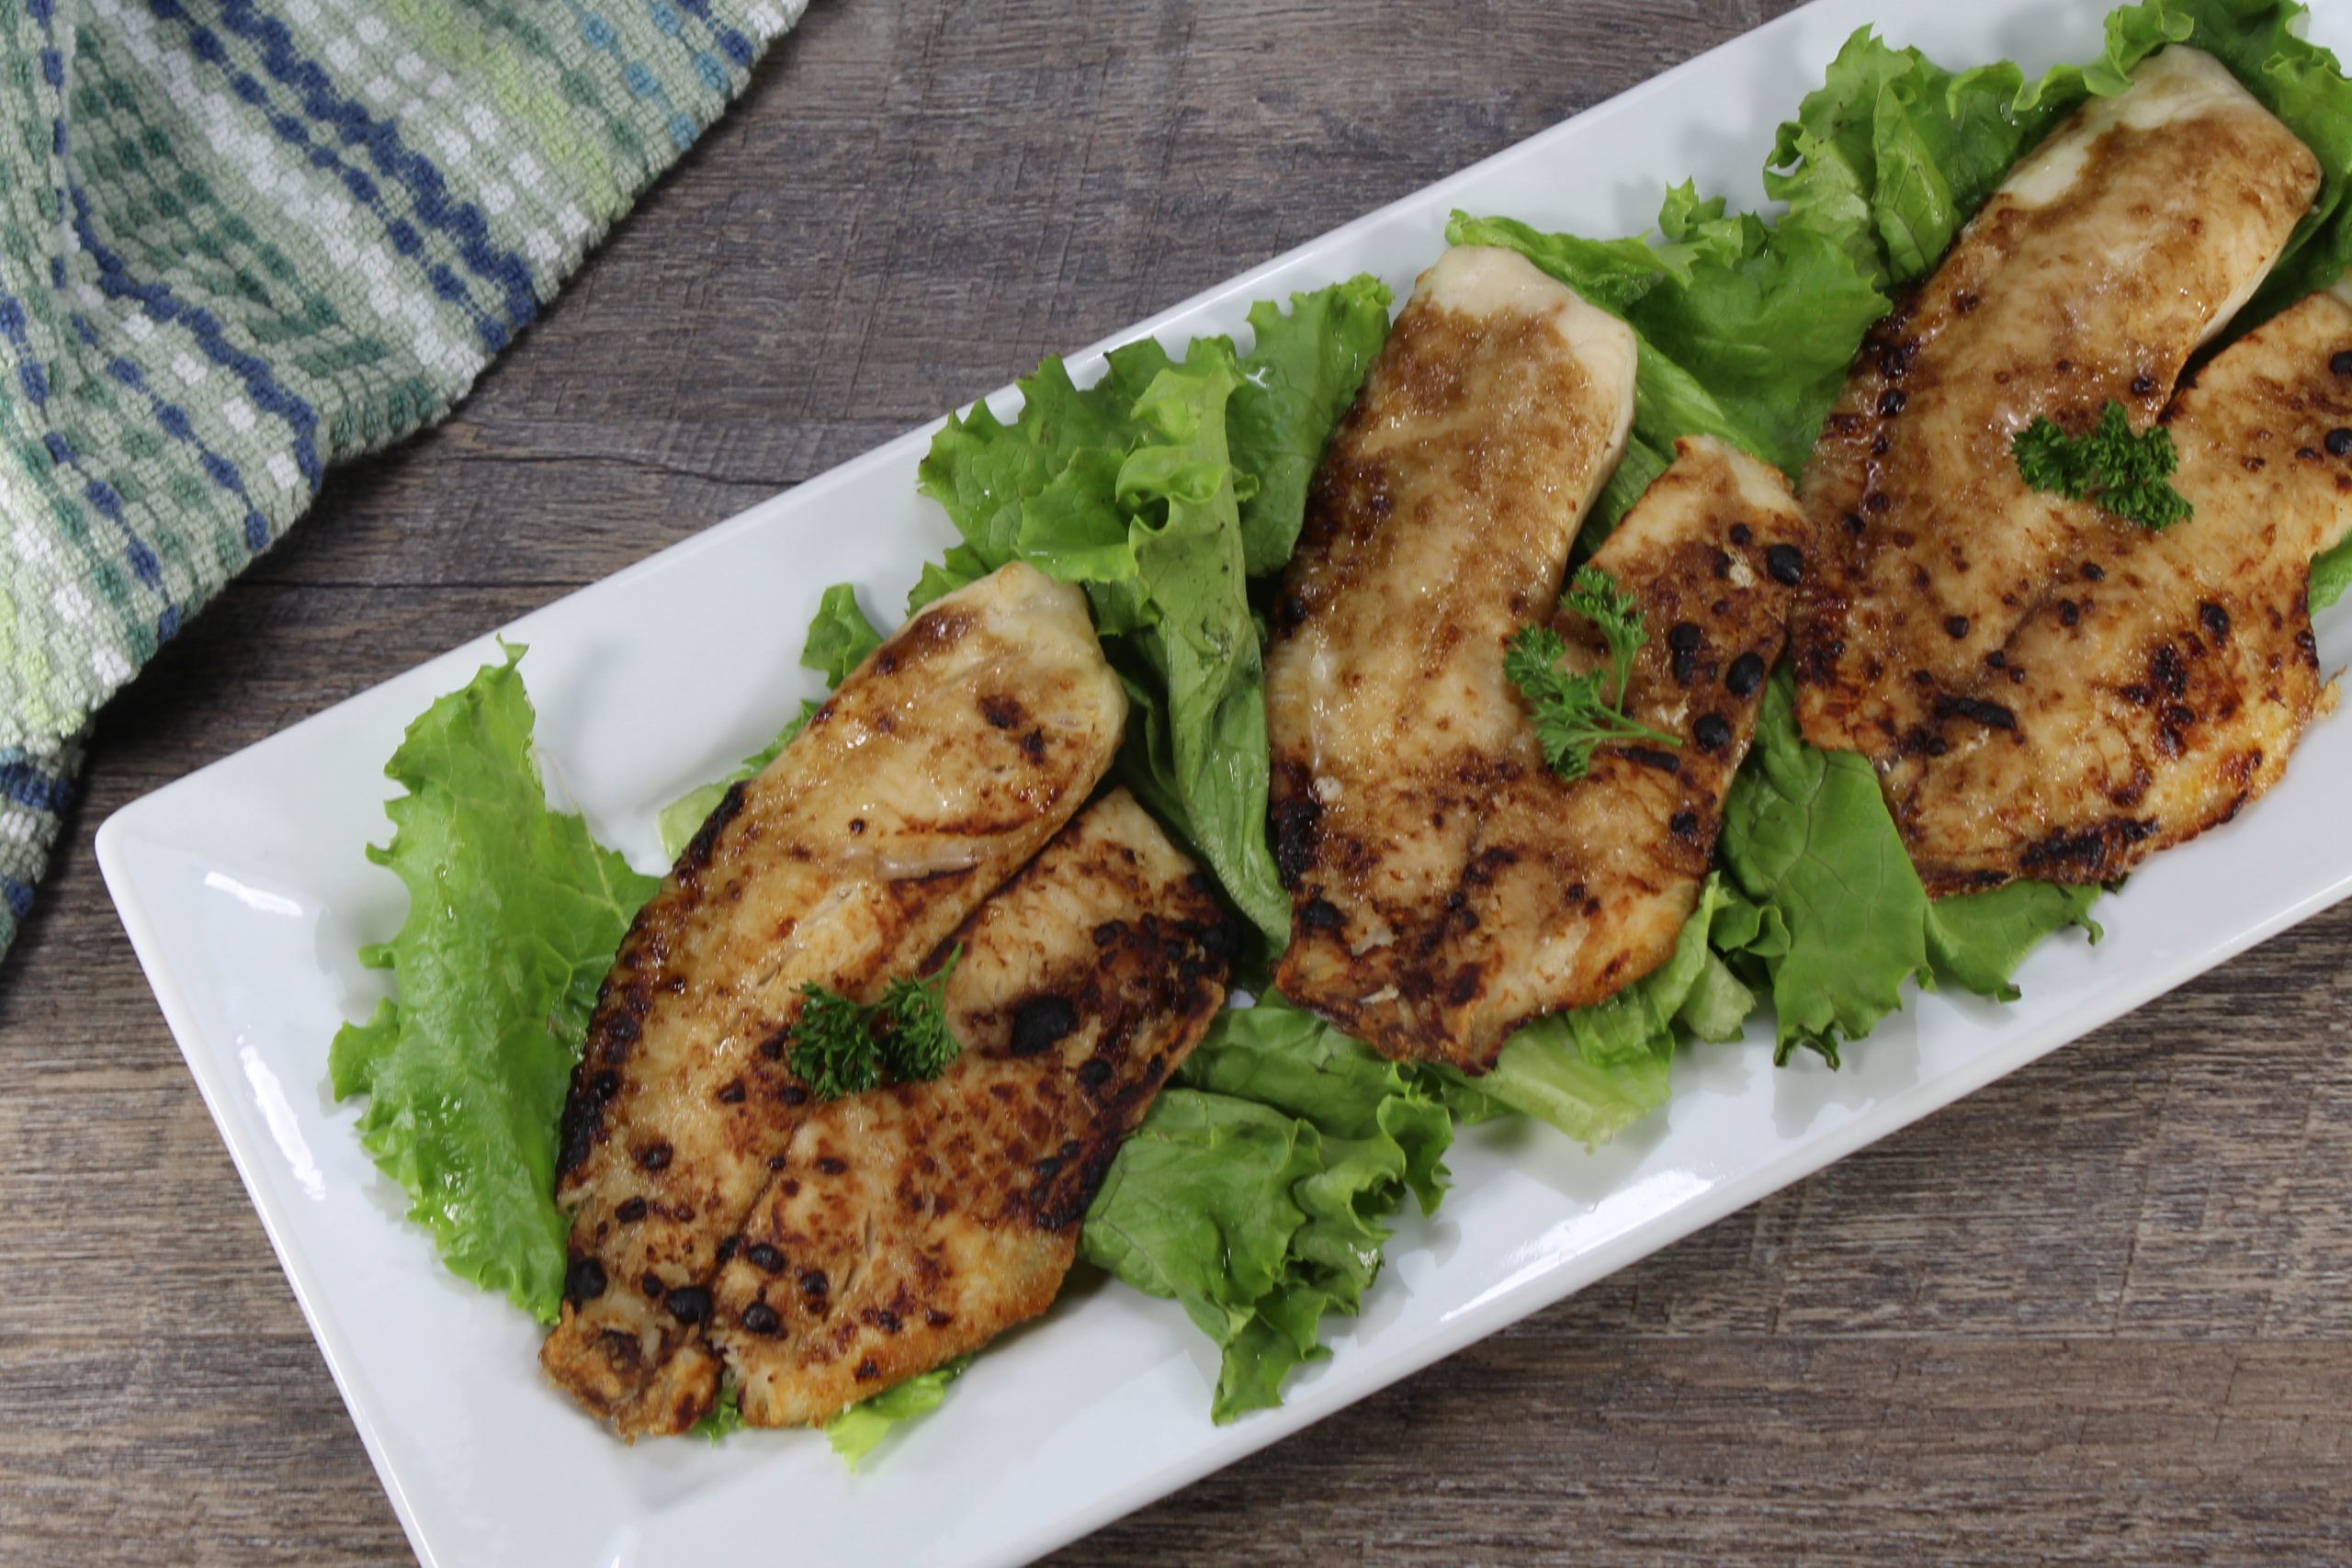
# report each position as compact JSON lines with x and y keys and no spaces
{"x":944,"y":762}
{"x":915,"y":1223}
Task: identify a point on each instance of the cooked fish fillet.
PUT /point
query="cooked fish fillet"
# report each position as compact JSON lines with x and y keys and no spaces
{"x":2126,"y":239}
{"x":2165,"y":683}
{"x":942,"y":763}
{"x":1438,"y":525}
{"x":916,"y":1223}
{"x":1448,"y":884}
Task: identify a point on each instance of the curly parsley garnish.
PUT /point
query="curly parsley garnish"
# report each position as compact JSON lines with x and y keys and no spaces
{"x":840,"y":1046}
{"x":2122,"y":473}
{"x":1572,"y":717}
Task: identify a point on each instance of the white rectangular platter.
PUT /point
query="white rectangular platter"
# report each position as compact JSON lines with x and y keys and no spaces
{"x":245,"y":894}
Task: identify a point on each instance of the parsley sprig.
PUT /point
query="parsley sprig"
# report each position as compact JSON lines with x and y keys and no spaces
{"x":1573,"y":719}
{"x":840,"y":1046}
{"x":2122,"y":473}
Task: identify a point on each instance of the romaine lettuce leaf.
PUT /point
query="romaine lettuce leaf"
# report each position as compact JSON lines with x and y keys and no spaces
{"x":515,"y":912}
{"x":1162,"y":488}
{"x":1256,"y":1192}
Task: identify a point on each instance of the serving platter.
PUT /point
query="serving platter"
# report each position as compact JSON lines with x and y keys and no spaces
{"x":245,"y":895}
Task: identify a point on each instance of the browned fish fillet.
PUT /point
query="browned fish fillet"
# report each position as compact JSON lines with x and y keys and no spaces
{"x":1448,"y":885}
{"x":2126,"y":239}
{"x":942,"y":763}
{"x":2165,"y":683}
{"x":914,"y":1223}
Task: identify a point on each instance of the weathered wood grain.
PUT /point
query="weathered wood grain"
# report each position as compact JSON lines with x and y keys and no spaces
{"x":2100,"y":1312}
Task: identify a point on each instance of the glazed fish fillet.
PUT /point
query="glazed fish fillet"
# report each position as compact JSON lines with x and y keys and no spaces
{"x":944,"y":762}
{"x":1446,"y":885}
{"x":914,"y":1223}
{"x":2165,"y":681}
{"x":2125,"y":241}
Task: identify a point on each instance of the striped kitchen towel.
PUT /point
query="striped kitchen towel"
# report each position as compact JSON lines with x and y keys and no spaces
{"x":244,"y":239}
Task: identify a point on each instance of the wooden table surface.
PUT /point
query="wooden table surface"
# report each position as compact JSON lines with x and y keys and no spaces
{"x":2102,"y":1311}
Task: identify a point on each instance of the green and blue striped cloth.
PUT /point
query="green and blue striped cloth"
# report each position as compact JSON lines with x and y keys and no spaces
{"x":244,"y":239}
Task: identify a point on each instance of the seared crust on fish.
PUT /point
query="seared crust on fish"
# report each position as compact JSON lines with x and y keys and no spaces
{"x":2164,"y":682}
{"x":915,"y":1223}
{"x":944,"y":762}
{"x":2128,"y":238}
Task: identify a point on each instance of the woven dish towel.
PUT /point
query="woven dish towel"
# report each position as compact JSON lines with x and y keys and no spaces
{"x":243,"y":240}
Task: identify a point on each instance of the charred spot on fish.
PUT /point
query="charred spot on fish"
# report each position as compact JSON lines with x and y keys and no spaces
{"x":772,"y":1048}
{"x":1742,"y":533}
{"x":1319,"y":914}
{"x":1220,"y":939}
{"x":1746,"y":674}
{"x":655,"y":1156}
{"x":856,"y":826}
{"x":1890,"y":402}
{"x":1854,"y":523}
{"x":2069,"y":613}
{"x":2338,"y":442}
{"x":793,"y":1094}
{"x":729,"y":1249}
{"x":1295,"y":821}
{"x":1294,"y":610}
{"x":2142,"y":384}
{"x":1923,"y":678}
{"x":1956,"y":627}
{"x":631,"y":1210}
{"x":1032,"y":745}
{"x":2093,"y":572}
{"x":1093,"y":1073}
{"x":761,"y":1318}
{"x":698,"y":848}
{"x":1041,"y":1023}
{"x":1649,"y":757}
{"x":583,"y":1281}
{"x":832,"y":1165}
{"x":1989,"y":714}
{"x":1684,"y":637}
{"x":2215,"y":620}
{"x":733,"y":1093}
{"x":868,"y":1371}
{"x":1003,"y":712}
{"x":1464,"y":990}
{"x":1683,"y":825}
{"x":2341,"y":362}
{"x":764,"y":1258}
{"x":1713,"y":731}
{"x":2169,"y":671}
{"x":652,"y":1285}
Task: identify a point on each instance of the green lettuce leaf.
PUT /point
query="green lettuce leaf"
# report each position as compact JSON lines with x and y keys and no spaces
{"x":855,"y":1432}
{"x":515,"y":912}
{"x":1257,"y":1192}
{"x":1162,"y":488}
{"x":2331,"y":575}
{"x":1807,"y":834}
{"x":1976,"y":941}
{"x":1298,"y":377}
